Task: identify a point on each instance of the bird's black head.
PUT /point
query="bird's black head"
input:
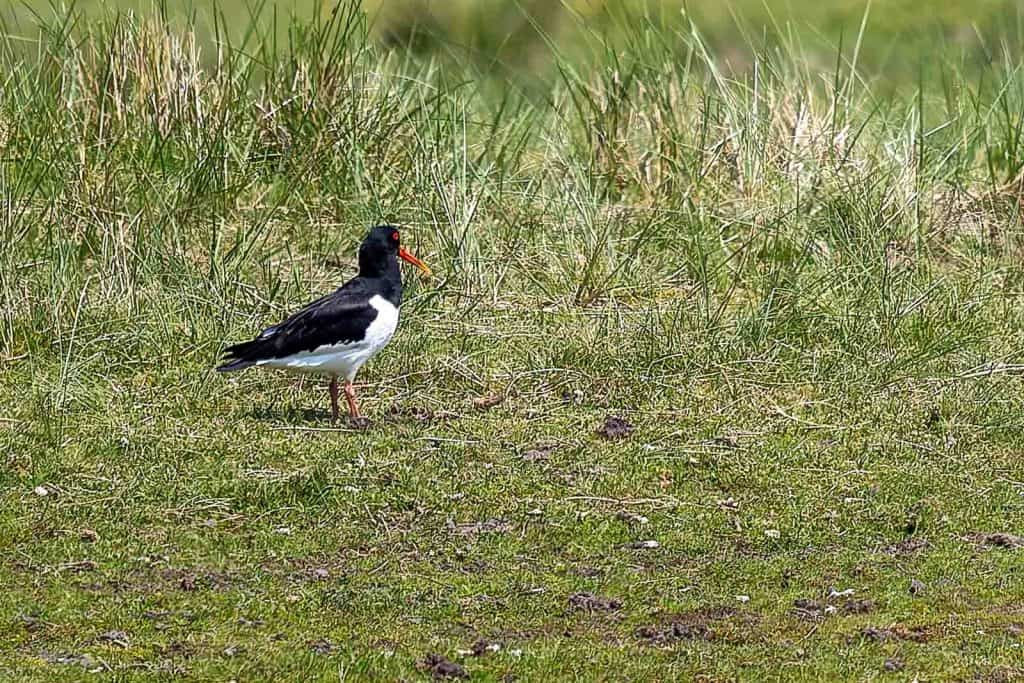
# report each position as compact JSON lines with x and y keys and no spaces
{"x":378,"y":251}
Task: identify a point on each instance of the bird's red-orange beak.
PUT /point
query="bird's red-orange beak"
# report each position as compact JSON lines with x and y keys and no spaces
{"x":406,"y":256}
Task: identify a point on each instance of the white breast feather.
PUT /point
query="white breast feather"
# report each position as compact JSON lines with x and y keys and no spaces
{"x":344,"y":360}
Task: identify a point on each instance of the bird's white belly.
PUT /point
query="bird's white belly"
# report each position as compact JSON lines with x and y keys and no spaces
{"x":344,"y":360}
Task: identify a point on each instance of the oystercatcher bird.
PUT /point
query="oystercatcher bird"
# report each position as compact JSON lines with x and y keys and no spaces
{"x":336,"y":334}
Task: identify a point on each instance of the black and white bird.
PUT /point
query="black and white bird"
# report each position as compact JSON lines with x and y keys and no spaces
{"x":335,"y":335}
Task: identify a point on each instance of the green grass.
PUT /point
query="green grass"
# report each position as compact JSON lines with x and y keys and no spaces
{"x":524,"y":41}
{"x":801,"y":284}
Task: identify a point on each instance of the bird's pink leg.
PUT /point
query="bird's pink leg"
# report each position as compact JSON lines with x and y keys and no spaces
{"x":334,"y":399}
{"x":350,"y":396}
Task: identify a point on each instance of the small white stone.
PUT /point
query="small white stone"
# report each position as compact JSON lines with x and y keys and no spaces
{"x":41,"y":491}
{"x":283,"y":530}
{"x":632,"y":517}
{"x":772,"y":533}
{"x":743,"y":598}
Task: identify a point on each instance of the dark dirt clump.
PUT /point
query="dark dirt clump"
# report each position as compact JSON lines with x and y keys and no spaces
{"x":31,"y":623}
{"x":488,"y":401}
{"x":119,"y":638}
{"x":1000,"y":674}
{"x":724,"y":441}
{"x":482,"y":646}
{"x":908,"y":546}
{"x":704,"y":624}
{"x":631,"y":517}
{"x":588,"y":602}
{"x":896,"y":632}
{"x":313,"y":574}
{"x":361,"y":423}
{"x":998,"y":540}
{"x":440,"y":667}
{"x":417,"y":413}
{"x":79,"y":567}
{"x":322,"y":647}
{"x":816,"y":610}
{"x":858,"y":606}
{"x":806,"y":608}
{"x":538,"y":454}
{"x":615,"y":428}
{"x":195,"y":579}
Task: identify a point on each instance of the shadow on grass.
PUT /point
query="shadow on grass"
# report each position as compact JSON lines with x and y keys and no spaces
{"x":297,"y":415}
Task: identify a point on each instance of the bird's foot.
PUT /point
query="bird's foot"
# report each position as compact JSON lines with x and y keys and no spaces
{"x":360,"y":422}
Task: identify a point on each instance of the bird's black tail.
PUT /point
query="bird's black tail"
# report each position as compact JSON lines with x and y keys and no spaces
{"x":238,"y":357}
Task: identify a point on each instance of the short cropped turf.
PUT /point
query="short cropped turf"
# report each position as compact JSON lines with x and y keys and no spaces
{"x":718,"y":378}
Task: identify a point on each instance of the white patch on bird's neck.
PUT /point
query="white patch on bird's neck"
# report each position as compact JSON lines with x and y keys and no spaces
{"x":383,"y":326}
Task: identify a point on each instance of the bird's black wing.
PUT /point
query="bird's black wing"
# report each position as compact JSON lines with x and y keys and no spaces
{"x":341,"y":317}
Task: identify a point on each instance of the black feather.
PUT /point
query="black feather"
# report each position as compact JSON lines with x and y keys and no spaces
{"x":235,"y":365}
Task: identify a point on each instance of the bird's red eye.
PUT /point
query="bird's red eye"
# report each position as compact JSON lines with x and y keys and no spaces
{"x":394,"y":236}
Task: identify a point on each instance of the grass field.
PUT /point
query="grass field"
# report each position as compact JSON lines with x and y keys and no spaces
{"x":797,"y":276}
